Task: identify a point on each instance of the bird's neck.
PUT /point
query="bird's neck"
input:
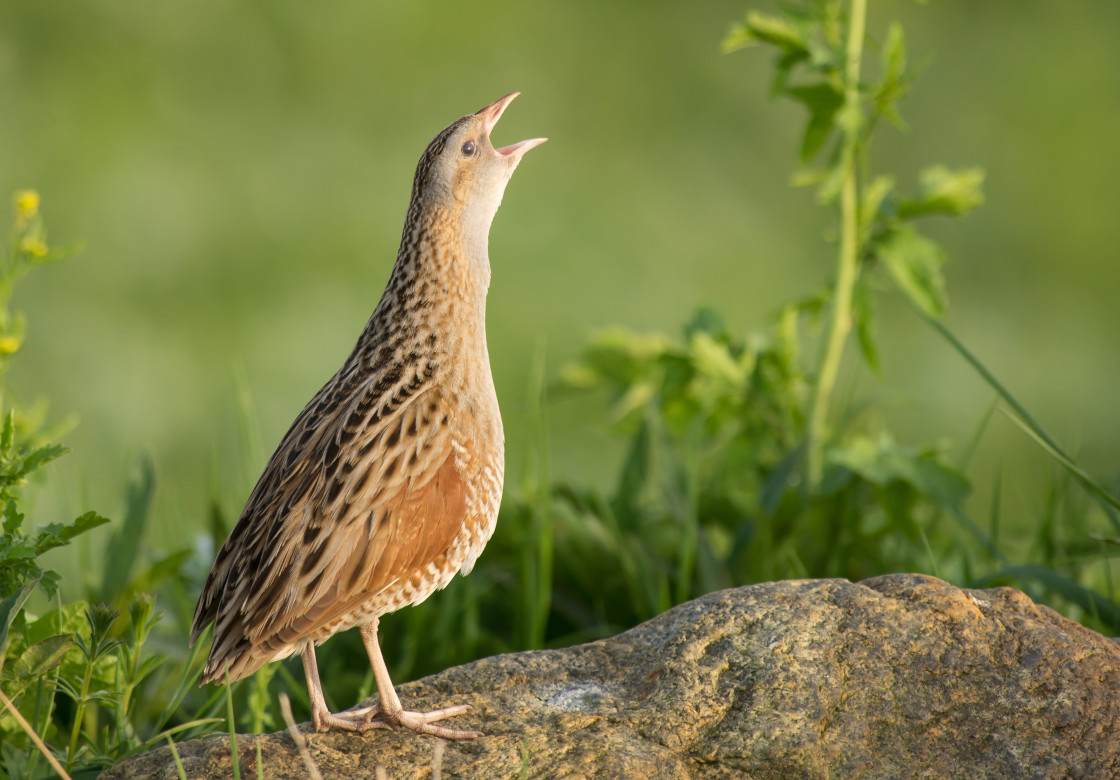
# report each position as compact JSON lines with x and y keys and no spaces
{"x":444,"y":257}
{"x":436,"y":293}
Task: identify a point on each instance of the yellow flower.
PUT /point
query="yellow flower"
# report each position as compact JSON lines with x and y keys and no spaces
{"x":8,"y":345}
{"x":27,"y":204}
{"x":33,"y":246}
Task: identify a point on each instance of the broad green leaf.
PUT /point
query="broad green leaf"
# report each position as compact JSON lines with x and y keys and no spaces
{"x":34,"y":662}
{"x":69,"y":620}
{"x":50,"y":583}
{"x":914,"y":262}
{"x":882,"y":462}
{"x":945,"y":191}
{"x":13,"y":518}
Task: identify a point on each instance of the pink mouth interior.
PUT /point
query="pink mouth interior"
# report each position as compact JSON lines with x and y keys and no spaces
{"x":520,"y":147}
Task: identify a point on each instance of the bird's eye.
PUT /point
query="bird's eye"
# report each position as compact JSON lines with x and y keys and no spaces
{"x":468,"y":148}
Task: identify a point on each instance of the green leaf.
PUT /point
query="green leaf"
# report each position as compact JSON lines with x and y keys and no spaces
{"x":778,"y":481}
{"x":863,"y":313}
{"x":914,"y":262}
{"x":824,"y":101}
{"x":8,"y":433}
{"x":59,"y":535}
{"x":945,"y":191}
{"x":13,"y":518}
{"x":70,"y":619}
{"x":634,"y":474}
{"x":893,"y":56}
{"x":883,"y":462}
{"x":36,"y":661}
{"x":874,"y":204}
{"x":40,"y":456}
{"x":11,"y":606}
{"x":739,"y":37}
{"x":783,"y":68}
{"x":894,"y":84}
{"x":764,"y":28}
{"x":123,"y":547}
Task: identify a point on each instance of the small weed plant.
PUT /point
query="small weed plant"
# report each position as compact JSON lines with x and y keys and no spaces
{"x":71,"y":675}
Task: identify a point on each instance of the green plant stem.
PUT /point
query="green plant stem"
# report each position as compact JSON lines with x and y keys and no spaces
{"x":80,"y":711}
{"x":848,"y":270}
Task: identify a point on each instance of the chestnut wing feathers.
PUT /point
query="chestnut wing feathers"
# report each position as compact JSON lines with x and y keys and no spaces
{"x":362,"y":494}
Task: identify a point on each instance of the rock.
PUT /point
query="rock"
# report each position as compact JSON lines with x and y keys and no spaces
{"x":901,"y":676}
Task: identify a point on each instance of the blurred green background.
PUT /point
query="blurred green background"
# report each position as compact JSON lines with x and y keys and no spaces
{"x":239,"y":173}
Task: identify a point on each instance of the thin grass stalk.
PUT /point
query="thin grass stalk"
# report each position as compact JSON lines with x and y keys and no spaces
{"x":297,"y":737}
{"x":542,"y":590}
{"x":686,"y":563}
{"x":232,"y":728}
{"x":178,"y":761}
{"x":23,"y":724}
{"x":1024,"y":420}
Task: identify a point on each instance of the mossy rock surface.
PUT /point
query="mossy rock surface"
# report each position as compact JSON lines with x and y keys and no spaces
{"x":898,"y":676}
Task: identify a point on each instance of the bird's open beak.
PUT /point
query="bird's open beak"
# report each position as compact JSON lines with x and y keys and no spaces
{"x":490,"y":116}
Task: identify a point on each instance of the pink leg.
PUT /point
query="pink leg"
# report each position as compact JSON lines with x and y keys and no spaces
{"x":321,"y":717}
{"x":390,"y":712}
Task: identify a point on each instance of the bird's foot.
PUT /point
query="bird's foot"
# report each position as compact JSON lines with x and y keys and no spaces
{"x":361,"y":719}
{"x":422,"y":722}
{"x":367,"y":718}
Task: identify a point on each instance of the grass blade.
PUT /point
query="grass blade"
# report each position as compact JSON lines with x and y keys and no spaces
{"x":1104,"y":609}
{"x":123,"y":548}
{"x":178,"y":761}
{"x":1025,"y":420}
{"x":232,"y":728}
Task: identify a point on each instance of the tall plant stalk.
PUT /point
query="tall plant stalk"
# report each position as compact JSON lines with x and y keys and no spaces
{"x":851,"y":123}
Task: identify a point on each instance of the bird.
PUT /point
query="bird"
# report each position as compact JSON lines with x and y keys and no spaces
{"x":388,"y":482}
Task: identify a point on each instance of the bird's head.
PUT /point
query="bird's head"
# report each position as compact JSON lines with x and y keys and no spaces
{"x":461,"y":170}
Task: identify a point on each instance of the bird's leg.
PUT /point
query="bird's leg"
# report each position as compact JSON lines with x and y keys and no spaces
{"x":390,"y":712}
{"x":321,"y":717}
